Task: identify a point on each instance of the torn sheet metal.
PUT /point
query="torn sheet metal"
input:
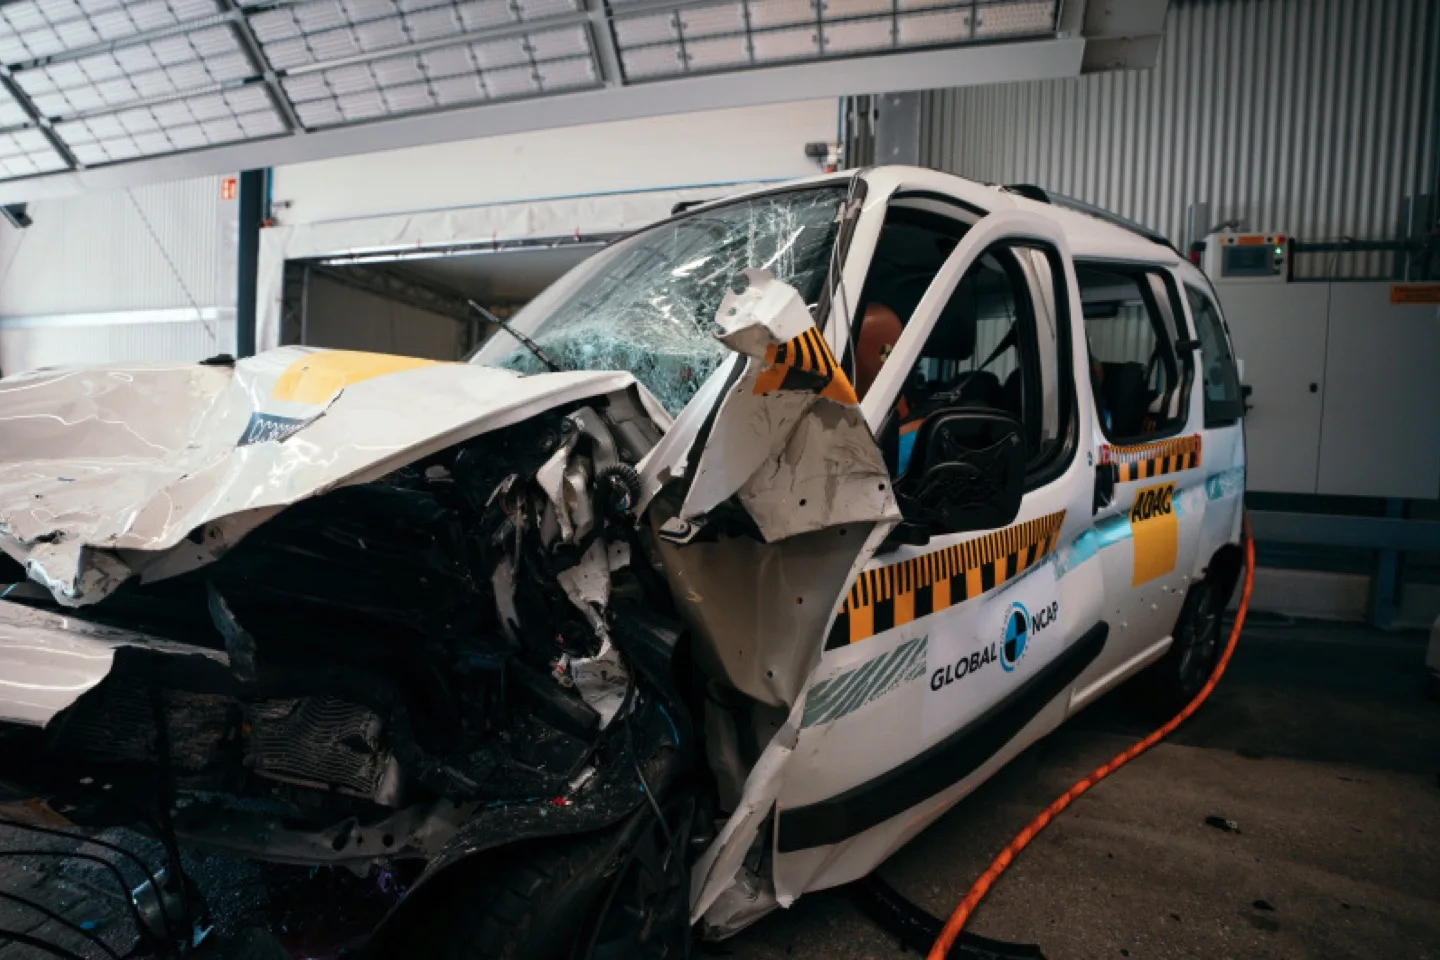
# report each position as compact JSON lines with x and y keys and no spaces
{"x":718,"y":865}
{"x":600,"y":680}
{"x":587,"y":584}
{"x":749,"y":898}
{"x":47,"y":660}
{"x":760,"y":610}
{"x":789,"y":441}
{"x":113,"y":471}
{"x":673,"y":456}
{"x":502,"y":581}
{"x":551,"y":477}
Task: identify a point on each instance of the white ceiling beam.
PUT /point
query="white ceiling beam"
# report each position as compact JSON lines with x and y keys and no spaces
{"x":893,"y":72}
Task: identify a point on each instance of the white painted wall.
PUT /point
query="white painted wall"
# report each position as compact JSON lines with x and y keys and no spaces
{"x":147,"y":273}
{"x":159,"y":336}
{"x":713,"y":147}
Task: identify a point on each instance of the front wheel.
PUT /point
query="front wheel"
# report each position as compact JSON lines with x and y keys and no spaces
{"x":1179,"y":675}
{"x":618,"y":893}
{"x":644,"y":911}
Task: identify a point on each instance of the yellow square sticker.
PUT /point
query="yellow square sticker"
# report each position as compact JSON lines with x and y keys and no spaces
{"x":1155,"y":531}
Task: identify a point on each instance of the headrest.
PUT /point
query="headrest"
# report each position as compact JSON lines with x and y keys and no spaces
{"x":955,"y":332}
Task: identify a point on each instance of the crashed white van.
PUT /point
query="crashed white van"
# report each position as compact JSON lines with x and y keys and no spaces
{"x":841,"y":493}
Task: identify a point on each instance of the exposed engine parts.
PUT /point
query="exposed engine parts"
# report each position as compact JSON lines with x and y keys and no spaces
{"x":443,"y":635}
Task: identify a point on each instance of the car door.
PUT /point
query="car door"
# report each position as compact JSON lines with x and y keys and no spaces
{"x":1149,"y":450}
{"x":953,"y":651}
{"x":1222,"y":410}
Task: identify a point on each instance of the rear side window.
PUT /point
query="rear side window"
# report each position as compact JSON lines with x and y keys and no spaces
{"x":1140,"y":382}
{"x":1224,"y":403}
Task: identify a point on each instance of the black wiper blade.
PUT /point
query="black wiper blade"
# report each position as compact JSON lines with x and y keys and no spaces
{"x":525,"y":341}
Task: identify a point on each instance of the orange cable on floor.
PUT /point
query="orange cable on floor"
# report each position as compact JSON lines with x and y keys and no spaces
{"x":986,"y":880}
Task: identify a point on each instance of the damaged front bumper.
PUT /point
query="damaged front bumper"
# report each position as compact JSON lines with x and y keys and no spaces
{"x":415,"y":669}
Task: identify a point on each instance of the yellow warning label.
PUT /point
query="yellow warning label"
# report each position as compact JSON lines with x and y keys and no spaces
{"x":316,"y":377}
{"x":1155,"y":531}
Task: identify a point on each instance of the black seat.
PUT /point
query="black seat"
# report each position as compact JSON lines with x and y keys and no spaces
{"x":980,"y":389}
{"x":1126,"y":396}
{"x":1010,"y":394}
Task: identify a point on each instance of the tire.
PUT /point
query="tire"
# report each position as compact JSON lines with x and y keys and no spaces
{"x":520,"y":903}
{"x":561,"y":898}
{"x":1179,"y":675}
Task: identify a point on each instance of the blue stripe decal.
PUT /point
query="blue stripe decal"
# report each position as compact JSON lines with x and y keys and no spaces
{"x":1228,"y":483}
{"x":1068,"y":558}
{"x":1107,"y":532}
{"x":1112,"y":530}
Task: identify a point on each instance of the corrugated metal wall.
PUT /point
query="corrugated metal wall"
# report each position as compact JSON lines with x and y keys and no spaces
{"x":149,"y":248}
{"x":168,"y":245}
{"x":1312,"y":117}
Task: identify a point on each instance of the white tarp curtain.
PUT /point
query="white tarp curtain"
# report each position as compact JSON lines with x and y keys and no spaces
{"x":562,"y":217}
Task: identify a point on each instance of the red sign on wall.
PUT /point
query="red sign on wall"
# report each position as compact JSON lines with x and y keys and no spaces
{"x":1415,"y":293}
{"x":229,"y":188}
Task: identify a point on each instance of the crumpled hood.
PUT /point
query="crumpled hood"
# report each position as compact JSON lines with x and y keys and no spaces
{"x":105,"y":471}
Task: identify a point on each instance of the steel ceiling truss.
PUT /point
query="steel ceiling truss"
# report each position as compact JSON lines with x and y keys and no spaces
{"x":87,"y":83}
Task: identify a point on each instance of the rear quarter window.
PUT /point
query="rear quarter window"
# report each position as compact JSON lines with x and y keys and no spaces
{"x":1224,"y":403}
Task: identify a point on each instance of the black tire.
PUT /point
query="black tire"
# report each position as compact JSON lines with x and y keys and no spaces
{"x":1198,"y":640}
{"x":524,"y":901}
{"x":562,"y":898}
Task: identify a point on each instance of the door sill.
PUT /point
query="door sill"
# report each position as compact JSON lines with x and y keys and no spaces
{"x":1135,"y":664}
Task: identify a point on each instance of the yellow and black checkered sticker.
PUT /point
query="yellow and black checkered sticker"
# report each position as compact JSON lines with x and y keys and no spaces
{"x":1146,"y":460}
{"x":805,"y":363}
{"x":892,"y":596}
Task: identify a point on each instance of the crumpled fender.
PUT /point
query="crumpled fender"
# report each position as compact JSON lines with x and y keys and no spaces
{"x":718,"y":865}
{"x":789,"y":441}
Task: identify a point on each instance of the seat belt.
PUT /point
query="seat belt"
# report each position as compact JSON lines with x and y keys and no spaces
{"x":1006,"y":342}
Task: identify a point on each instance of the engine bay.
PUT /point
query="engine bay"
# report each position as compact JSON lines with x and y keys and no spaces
{"x":363,"y":672}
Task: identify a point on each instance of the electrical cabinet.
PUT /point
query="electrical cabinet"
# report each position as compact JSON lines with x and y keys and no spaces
{"x":1346,"y":388}
{"x":1279,"y":332}
{"x":1380,"y":432}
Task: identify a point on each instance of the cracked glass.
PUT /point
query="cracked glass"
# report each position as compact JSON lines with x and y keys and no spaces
{"x":647,"y":304}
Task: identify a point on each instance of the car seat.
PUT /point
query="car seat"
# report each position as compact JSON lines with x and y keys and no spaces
{"x":1010,"y":394}
{"x":1127,"y":397}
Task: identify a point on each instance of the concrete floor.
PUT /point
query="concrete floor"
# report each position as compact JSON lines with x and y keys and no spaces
{"x":1319,"y":743}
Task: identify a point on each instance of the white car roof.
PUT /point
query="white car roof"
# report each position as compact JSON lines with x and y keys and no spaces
{"x":1089,"y":237}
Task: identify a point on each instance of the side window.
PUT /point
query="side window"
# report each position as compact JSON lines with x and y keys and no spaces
{"x":1132,"y":316}
{"x":995,"y":345}
{"x":1224,"y":403}
{"x":919,"y":234}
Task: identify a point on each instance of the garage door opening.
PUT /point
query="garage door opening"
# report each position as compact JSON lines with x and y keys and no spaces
{"x":418,"y":302}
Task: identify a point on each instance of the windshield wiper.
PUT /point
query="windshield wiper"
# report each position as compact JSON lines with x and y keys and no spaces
{"x":525,"y":341}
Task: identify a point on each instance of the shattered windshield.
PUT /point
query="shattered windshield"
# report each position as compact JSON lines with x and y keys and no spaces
{"x":647,"y":304}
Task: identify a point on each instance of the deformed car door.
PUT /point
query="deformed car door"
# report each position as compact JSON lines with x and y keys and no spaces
{"x":951,"y":652}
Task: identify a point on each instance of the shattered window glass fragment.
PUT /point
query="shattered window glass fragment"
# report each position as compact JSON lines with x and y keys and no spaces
{"x":647,"y":304}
